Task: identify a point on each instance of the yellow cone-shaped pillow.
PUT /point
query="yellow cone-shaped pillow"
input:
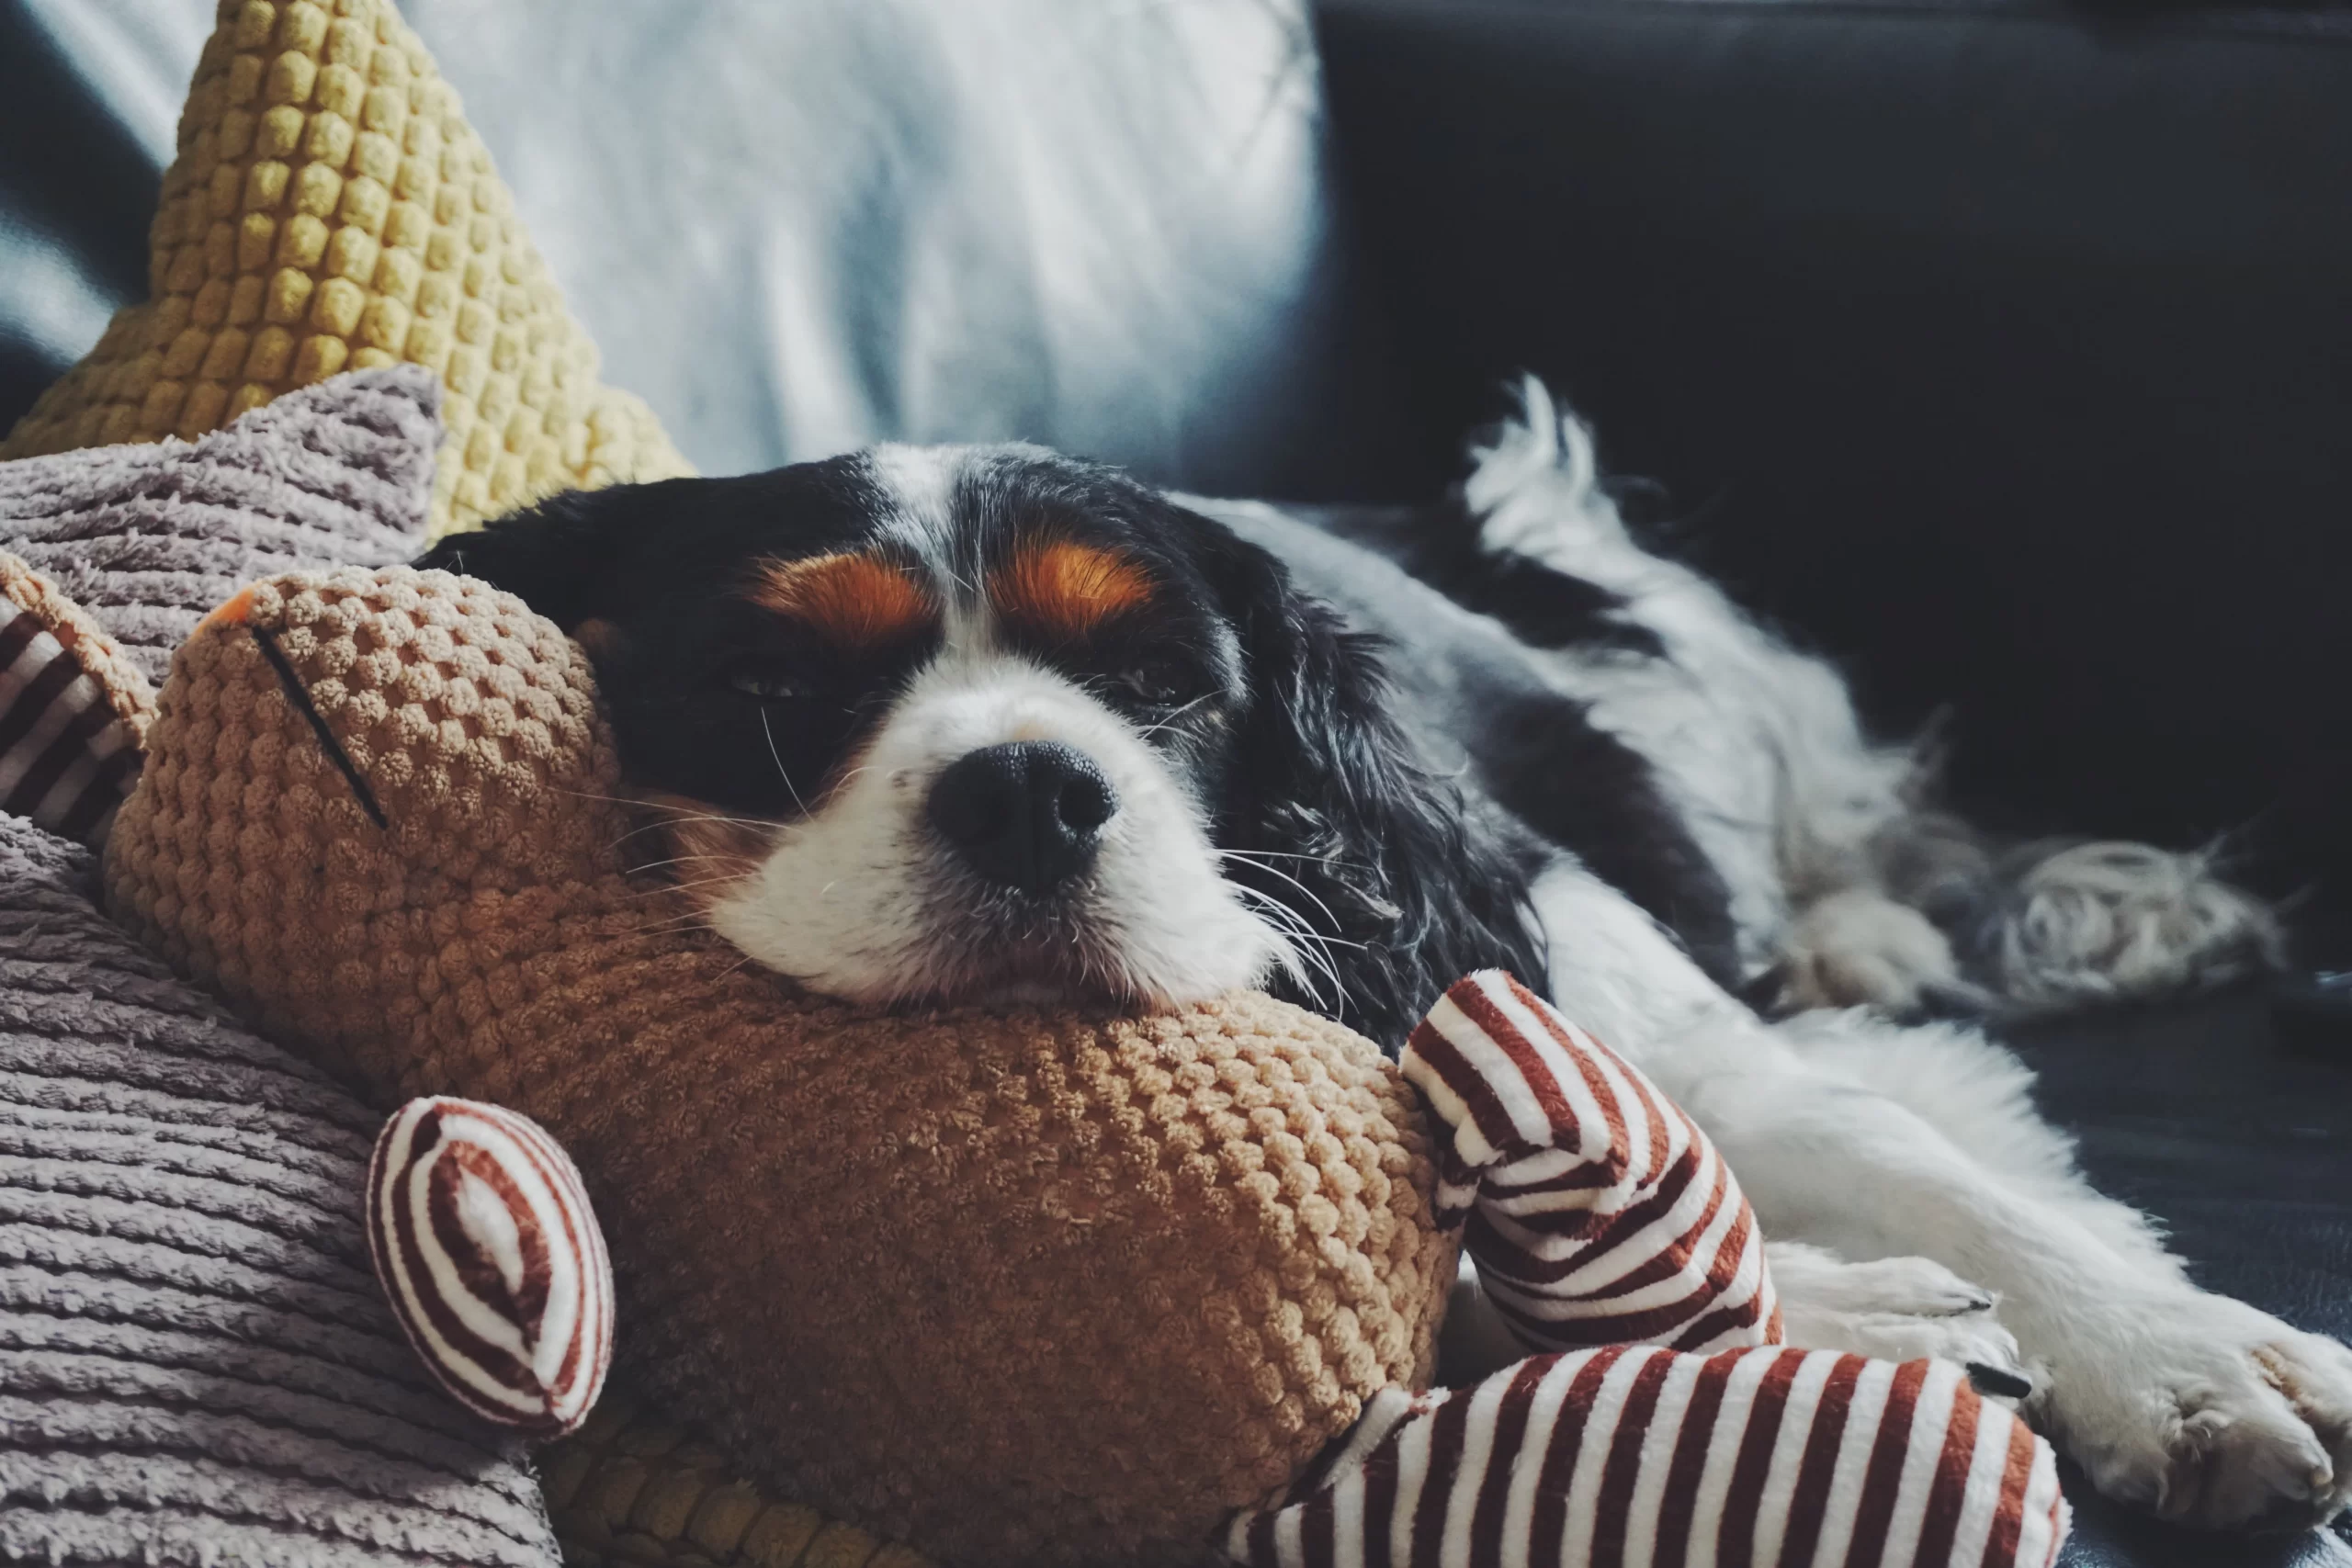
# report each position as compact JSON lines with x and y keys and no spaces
{"x":330,"y":208}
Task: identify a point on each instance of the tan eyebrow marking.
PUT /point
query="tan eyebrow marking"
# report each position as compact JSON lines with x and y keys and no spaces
{"x":857,"y":600}
{"x":1067,"y":588}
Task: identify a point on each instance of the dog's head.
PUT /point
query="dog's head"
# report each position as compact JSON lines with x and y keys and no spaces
{"x":962,"y":723}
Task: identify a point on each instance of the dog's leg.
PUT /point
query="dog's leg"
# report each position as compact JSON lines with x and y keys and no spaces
{"x":1857,"y":947}
{"x":1897,"y":1309}
{"x":2198,"y":1407}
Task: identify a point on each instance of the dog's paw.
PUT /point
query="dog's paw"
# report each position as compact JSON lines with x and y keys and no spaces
{"x":2209,"y":1413}
{"x":1897,"y":1309}
{"x":2093,"y":923}
{"x":1858,"y":948}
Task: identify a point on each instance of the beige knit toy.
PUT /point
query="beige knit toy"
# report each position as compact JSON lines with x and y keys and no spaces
{"x":1017,"y":1288}
{"x":1032,"y":1287}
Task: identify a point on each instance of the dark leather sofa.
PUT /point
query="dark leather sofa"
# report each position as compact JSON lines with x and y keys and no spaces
{"x":2001,"y":349}
{"x":2004,"y":351}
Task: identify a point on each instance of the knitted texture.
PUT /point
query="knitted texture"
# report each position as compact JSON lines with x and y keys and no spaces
{"x":330,"y":208}
{"x":1016,"y":1288}
{"x":633,"y":1490}
{"x":148,"y":538}
{"x":196,"y":1365}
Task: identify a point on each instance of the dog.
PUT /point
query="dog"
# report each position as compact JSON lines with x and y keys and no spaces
{"x":936,"y":726}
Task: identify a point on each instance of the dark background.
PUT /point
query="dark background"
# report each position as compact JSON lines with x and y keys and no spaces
{"x":2004,"y":352}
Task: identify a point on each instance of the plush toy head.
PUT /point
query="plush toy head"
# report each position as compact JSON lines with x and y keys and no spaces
{"x":1019,"y":1287}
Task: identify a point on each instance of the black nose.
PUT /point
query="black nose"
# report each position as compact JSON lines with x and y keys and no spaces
{"x":1025,"y":816}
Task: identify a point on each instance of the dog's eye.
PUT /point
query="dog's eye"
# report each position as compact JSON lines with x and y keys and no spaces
{"x":1156,"y":683}
{"x":764,"y":683}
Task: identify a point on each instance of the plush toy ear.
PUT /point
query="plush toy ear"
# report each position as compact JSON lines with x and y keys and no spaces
{"x":73,"y":712}
{"x":483,"y":1239}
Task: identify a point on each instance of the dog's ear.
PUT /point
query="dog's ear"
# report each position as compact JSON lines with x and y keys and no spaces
{"x":1335,"y":816}
{"x":565,"y":556}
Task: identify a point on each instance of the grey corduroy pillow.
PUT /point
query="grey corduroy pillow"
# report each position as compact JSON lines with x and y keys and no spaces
{"x":196,"y":1363}
{"x":148,"y":537}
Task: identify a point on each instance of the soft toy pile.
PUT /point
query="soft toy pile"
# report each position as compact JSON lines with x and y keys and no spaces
{"x":1022,"y":1287}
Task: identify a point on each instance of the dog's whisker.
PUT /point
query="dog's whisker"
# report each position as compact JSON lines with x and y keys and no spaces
{"x":671,"y":818}
{"x":1290,"y":929}
{"x":676,"y":927}
{"x":1150,"y":730}
{"x":1295,"y":882}
{"x":653,"y":865}
{"x":777,"y":756}
{"x":670,"y":888}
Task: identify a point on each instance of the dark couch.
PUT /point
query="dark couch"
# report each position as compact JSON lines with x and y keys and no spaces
{"x":2002,"y":350}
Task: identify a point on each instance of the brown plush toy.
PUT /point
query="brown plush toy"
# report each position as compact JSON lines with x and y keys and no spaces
{"x":1020,"y":1288}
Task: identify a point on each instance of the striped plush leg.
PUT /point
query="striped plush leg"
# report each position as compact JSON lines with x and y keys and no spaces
{"x":1601,"y":1219}
{"x":1634,"y":1457}
{"x":1598,"y":1212}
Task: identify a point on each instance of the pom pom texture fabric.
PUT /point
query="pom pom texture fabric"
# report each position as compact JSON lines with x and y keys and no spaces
{"x":330,"y":208}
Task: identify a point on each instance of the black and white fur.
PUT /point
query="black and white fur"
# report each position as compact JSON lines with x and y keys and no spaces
{"x":1581,"y":762}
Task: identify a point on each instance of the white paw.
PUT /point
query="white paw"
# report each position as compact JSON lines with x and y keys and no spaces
{"x":1860,"y":949}
{"x":2208,"y":1412}
{"x":1898,"y":1309}
{"x":2099,"y":923}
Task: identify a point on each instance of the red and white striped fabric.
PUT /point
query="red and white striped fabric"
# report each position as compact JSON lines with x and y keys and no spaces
{"x":492,"y":1259}
{"x":1635,"y":1456}
{"x":67,"y":757}
{"x":1599,"y":1214}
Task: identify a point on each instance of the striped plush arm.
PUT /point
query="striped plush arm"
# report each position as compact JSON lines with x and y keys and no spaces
{"x":1634,"y":1457}
{"x":1598,"y":1212}
{"x":72,"y":710}
{"x":490,"y":1255}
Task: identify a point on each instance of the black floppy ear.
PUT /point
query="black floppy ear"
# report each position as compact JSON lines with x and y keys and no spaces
{"x":559,"y":557}
{"x":1358,"y":838}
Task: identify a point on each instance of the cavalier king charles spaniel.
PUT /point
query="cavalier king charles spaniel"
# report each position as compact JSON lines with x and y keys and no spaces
{"x":931,"y":726}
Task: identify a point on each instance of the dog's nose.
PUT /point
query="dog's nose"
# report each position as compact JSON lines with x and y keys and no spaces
{"x":1027,"y":814}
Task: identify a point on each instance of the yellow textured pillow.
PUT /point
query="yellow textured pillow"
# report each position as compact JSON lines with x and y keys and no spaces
{"x":330,"y":209}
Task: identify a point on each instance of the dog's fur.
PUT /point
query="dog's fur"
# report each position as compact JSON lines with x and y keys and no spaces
{"x":1581,"y":762}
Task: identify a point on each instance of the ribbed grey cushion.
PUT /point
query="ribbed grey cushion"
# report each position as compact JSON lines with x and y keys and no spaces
{"x":147,"y":538}
{"x":195,"y":1364}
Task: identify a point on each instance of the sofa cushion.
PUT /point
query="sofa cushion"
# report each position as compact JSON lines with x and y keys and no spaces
{"x":147,"y":538}
{"x":330,"y":208}
{"x":195,"y":1364}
